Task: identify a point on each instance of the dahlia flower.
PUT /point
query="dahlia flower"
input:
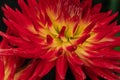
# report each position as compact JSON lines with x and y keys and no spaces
{"x":59,"y":34}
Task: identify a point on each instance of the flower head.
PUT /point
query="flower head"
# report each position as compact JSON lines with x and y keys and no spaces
{"x":60,"y":34}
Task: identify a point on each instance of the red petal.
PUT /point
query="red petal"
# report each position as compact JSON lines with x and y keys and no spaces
{"x":77,"y":72}
{"x":96,"y":9}
{"x":91,"y":74}
{"x":49,"y":39}
{"x":48,"y":55}
{"x":61,"y":68}
{"x":71,"y":48}
{"x":42,"y":69}
{"x":104,"y":74}
{"x":109,"y":19}
{"x":10,"y":67}
{"x":27,"y":72}
{"x":102,"y":63}
{"x":2,"y":68}
{"x":24,"y":7}
{"x":74,"y":59}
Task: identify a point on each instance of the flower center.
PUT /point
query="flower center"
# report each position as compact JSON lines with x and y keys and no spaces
{"x":61,"y":40}
{"x":66,"y":33}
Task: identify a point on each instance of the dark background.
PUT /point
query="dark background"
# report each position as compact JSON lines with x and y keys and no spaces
{"x":107,"y":5}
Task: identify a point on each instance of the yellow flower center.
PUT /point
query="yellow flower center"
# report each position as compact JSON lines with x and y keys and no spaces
{"x":61,"y":33}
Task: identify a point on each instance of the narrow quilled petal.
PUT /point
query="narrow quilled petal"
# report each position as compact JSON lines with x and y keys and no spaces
{"x":61,"y":68}
{"x":59,"y":34}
